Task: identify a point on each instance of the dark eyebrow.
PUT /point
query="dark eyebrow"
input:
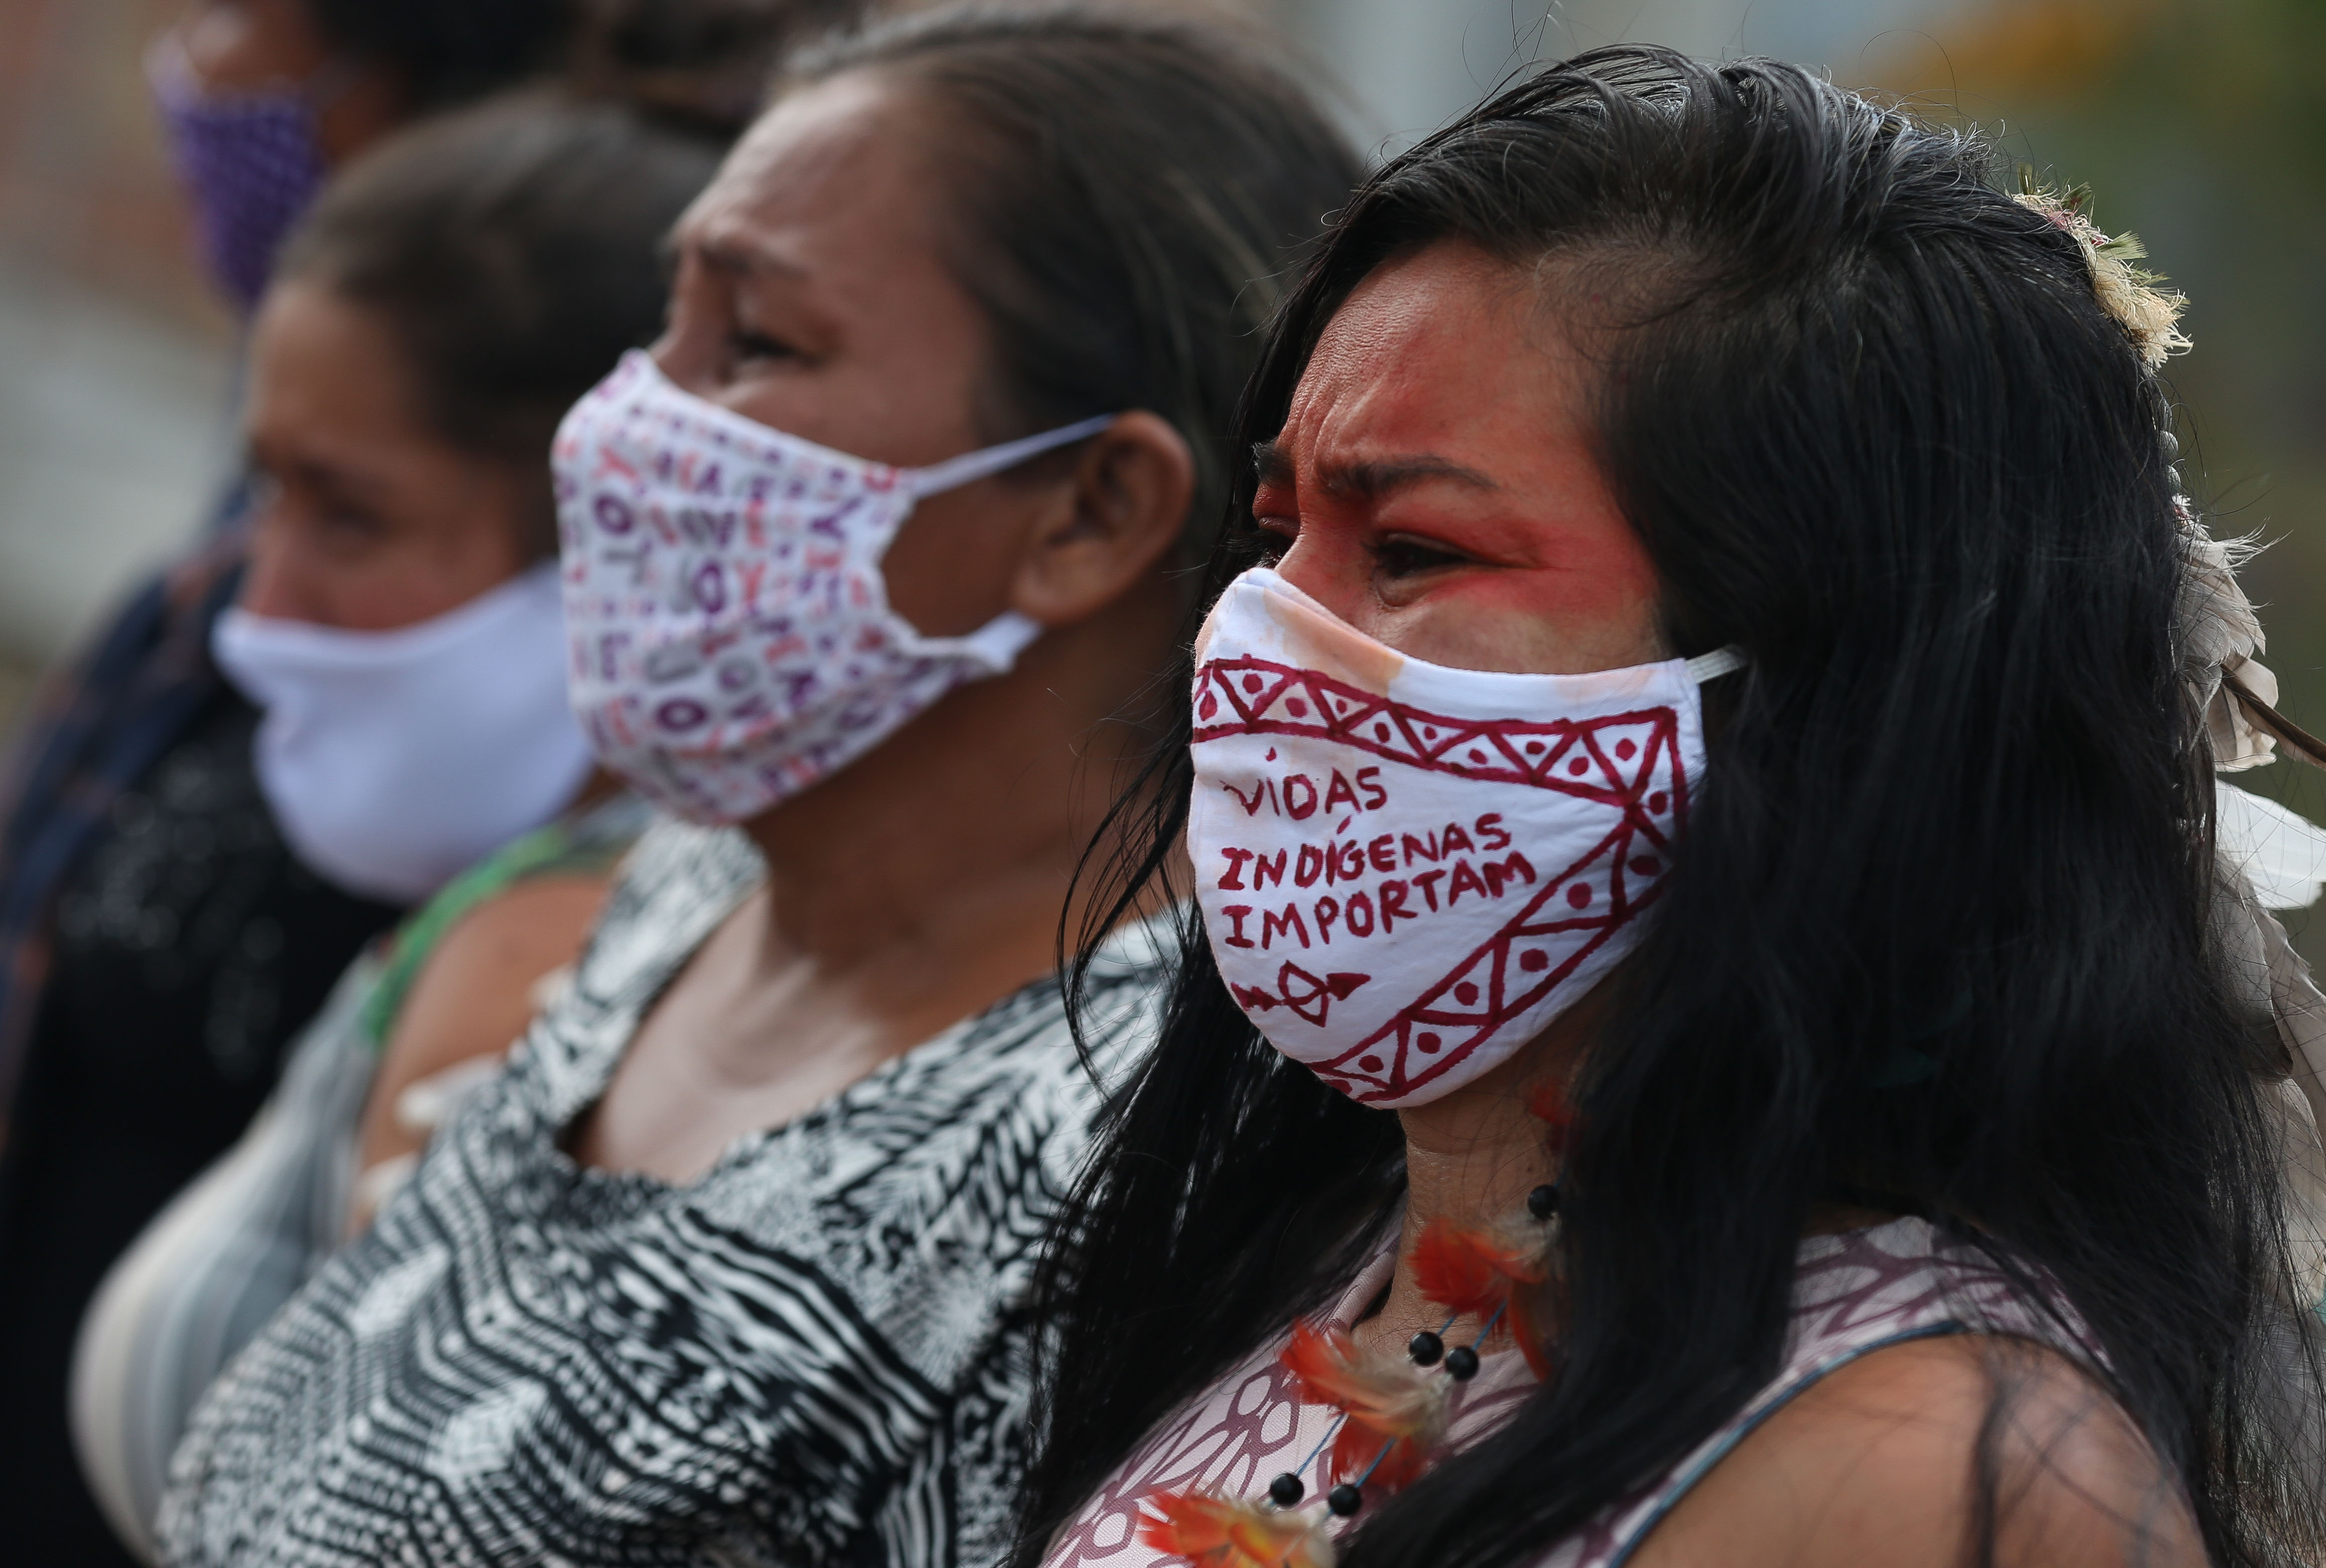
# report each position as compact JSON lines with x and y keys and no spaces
{"x":1370,"y":481}
{"x":1373,"y":481}
{"x":737,"y":256}
{"x":334,"y":480}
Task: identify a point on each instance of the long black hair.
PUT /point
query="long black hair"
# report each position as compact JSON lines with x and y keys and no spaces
{"x":449,"y":51}
{"x":1873,"y":425}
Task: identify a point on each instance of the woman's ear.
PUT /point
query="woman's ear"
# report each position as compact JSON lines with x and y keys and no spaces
{"x":1121,"y":514}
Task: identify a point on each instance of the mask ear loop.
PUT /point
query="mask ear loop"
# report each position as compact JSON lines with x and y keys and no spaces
{"x":997,"y":644}
{"x":1711,"y":666}
{"x":955,"y":472}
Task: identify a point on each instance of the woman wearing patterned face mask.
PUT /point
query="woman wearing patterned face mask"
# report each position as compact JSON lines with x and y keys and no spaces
{"x":1726,"y":1019}
{"x":262,"y":99}
{"x":868,"y":570}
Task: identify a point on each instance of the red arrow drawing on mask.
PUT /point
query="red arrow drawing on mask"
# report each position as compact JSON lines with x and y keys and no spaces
{"x":1301,"y":992}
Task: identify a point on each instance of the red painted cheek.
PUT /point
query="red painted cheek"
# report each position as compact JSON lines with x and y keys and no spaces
{"x":1601,"y":578}
{"x":1509,"y":616}
{"x":1593,"y":603}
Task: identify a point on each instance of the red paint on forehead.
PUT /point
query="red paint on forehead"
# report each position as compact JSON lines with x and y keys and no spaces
{"x":1453,"y":361}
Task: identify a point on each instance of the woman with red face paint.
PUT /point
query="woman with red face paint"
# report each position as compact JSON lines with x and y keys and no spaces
{"x":1709,"y":719}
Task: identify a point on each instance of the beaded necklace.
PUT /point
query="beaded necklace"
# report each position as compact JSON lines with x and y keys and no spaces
{"x":1392,"y":1412}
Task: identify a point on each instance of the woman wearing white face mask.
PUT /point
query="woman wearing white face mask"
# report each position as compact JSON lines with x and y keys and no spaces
{"x":400,"y":625}
{"x":399,"y":620}
{"x":873,"y":561}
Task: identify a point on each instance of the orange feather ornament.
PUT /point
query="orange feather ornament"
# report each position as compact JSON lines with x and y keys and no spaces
{"x":1214,"y":1532}
{"x":1548,"y":1106}
{"x":1495,"y":1275}
{"x":1390,"y":1404}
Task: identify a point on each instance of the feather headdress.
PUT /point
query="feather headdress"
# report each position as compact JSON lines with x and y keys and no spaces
{"x":2149,"y":315}
{"x":2269,"y":858}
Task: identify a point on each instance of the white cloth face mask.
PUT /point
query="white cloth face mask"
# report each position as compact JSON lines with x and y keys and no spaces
{"x":732,"y":638}
{"x":394,"y":760}
{"x":1407,"y":871}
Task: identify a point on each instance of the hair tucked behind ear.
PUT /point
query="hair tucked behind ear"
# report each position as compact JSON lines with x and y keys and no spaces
{"x":1938,"y":926}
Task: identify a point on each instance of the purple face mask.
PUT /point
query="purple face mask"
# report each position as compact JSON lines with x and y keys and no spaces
{"x":250,"y":162}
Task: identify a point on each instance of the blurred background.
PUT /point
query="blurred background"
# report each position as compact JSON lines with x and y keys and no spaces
{"x":2199,"y":123}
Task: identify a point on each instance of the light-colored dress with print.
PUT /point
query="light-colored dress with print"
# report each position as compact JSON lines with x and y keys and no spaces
{"x":1854,"y":1293}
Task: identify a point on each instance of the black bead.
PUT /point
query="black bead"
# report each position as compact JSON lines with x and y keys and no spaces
{"x":1461,"y":1363}
{"x":1286,"y":1490}
{"x":1425,"y":1348}
{"x":1544,"y":1201}
{"x":1344,"y":1500}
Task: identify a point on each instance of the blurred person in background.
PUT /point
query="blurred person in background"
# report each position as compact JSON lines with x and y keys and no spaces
{"x":160,"y":943}
{"x":432,"y":318}
{"x":262,"y":99}
{"x":161,"y":940}
{"x":869,"y":570}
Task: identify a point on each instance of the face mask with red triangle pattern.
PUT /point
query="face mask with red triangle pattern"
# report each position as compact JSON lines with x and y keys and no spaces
{"x":1407,"y":871}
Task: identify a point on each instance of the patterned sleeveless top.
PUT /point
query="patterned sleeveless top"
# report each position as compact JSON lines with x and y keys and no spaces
{"x":816,"y":1354}
{"x":1854,"y":1293}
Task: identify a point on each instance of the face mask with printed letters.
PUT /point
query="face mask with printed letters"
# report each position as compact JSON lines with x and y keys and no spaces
{"x":1407,"y":871}
{"x":732,"y":638}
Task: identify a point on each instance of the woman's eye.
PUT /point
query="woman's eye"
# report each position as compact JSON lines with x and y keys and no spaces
{"x":747,"y":346}
{"x":262,"y":492}
{"x":1400,"y":556}
{"x":352,"y":527}
{"x":1278,"y":532}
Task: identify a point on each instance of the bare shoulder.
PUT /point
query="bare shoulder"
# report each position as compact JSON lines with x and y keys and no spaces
{"x":478,"y":981}
{"x":474,"y":994}
{"x":1882,"y":1460}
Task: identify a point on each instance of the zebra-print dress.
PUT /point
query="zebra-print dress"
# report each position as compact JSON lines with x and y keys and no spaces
{"x":814,"y":1354}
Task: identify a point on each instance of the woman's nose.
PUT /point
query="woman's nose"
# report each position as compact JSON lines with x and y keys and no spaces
{"x":273,"y":581}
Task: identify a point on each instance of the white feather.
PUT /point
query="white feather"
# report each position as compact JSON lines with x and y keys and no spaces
{"x":2281,"y":853}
